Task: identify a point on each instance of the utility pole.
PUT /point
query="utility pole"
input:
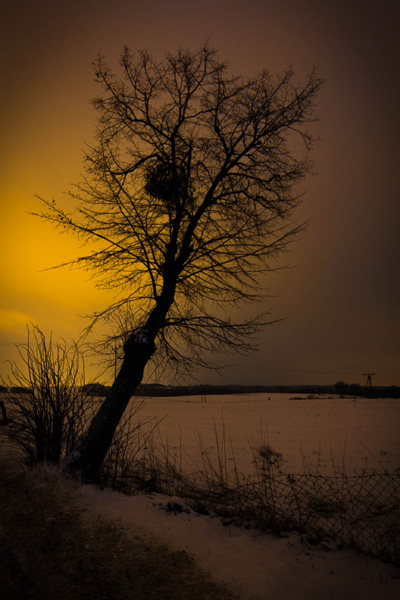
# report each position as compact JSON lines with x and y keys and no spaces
{"x":368,"y":383}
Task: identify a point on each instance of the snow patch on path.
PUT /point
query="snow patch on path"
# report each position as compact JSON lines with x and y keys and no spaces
{"x":260,"y":566}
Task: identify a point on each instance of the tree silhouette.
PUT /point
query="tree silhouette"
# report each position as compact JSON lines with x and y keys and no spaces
{"x":188,"y":196}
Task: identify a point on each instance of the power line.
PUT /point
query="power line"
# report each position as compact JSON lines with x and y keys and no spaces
{"x":307,"y":371}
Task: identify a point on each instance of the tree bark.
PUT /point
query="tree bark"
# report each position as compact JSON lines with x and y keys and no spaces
{"x":89,"y":454}
{"x":5,"y":420}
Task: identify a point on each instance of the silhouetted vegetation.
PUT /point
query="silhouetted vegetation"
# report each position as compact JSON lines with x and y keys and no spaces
{"x":95,"y":389}
{"x":354,"y":389}
{"x":188,"y":200}
{"x":342,"y":389}
{"x":45,"y":406}
{"x":315,"y":390}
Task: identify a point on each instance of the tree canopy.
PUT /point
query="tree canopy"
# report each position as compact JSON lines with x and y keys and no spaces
{"x":188,"y":197}
{"x":188,"y":194}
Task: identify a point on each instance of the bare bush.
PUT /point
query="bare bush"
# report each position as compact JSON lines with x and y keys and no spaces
{"x":121,"y":469}
{"x":47,"y":408}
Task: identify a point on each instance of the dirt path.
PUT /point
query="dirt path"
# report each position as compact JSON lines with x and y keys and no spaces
{"x":51,"y":547}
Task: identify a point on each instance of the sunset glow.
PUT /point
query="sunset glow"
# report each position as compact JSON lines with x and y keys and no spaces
{"x":340,"y":301}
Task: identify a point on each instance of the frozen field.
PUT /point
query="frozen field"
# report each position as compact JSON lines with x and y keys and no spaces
{"x":324,"y":435}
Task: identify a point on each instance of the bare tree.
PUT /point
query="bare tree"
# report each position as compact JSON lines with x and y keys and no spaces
{"x":188,"y":197}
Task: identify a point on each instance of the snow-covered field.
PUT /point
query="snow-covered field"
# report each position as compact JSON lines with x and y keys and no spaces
{"x":323,"y":434}
{"x":352,"y":434}
{"x":326,"y":434}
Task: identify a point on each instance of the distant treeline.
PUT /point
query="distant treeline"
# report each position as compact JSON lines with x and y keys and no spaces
{"x":156,"y":389}
{"x":340,"y":388}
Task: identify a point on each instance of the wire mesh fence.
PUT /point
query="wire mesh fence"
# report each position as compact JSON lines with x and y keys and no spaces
{"x":361,"y":511}
{"x":358,"y":511}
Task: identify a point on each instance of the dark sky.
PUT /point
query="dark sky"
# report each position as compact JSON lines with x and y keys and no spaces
{"x":340,"y":299}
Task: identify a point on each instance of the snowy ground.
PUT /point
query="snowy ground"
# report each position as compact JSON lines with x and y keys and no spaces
{"x":262,"y":566}
{"x":324,"y":435}
{"x":259,"y":566}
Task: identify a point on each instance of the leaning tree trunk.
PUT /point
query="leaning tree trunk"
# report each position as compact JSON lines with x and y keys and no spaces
{"x":89,"y":454}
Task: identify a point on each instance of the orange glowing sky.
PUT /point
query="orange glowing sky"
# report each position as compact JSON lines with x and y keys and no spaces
{"x":341,"y":300}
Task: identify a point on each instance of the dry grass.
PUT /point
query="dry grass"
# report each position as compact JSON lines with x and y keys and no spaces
{"x":362,"y":511}
{"x":51,"y":547}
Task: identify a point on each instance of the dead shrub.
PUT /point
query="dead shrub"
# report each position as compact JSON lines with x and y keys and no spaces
{"x":46,"y":406}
